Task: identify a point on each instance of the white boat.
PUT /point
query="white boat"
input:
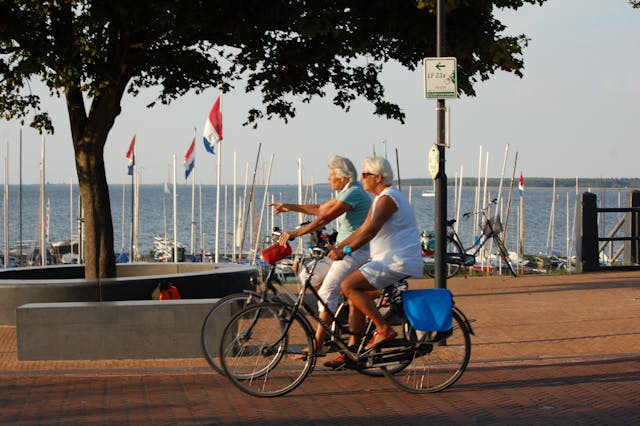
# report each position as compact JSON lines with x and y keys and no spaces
{"x":163,"y":250}
{"x":65,"y":251}
{"x":429,"y":193}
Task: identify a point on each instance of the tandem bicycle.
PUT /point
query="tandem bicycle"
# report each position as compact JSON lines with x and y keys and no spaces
{"x":268,"y":348}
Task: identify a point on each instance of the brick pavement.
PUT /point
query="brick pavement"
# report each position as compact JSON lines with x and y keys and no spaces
{"x":552,"y":349}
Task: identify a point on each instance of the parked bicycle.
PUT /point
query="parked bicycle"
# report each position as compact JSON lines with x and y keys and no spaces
{"x":458,"y":256}
{"x":268,"y":349}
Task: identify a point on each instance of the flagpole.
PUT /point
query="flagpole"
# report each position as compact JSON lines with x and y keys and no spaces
{"x":136,"y":214}
{"x":193,"y":198}
{"x":133,"y":174}
{"x":218,"y":166}
{"x":200,"y":223}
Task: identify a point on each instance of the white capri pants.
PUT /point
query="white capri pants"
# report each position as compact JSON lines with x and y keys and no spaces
{"x":329,"y":291}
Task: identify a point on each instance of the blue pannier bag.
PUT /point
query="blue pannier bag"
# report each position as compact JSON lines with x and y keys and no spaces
{"x":428,"y":309}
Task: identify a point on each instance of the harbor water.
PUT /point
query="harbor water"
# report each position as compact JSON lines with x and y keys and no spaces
{"x":548,"y":219}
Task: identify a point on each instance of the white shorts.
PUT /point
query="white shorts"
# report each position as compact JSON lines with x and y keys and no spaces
{"x":329,"y":291}
{"x":379,"y":275}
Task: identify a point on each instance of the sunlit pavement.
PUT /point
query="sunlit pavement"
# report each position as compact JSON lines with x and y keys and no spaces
{"x":556,"y":349}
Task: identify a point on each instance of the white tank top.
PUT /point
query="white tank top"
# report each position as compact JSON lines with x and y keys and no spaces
{"x":397,"y":244}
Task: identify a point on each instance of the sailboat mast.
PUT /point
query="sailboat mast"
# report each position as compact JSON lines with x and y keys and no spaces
{"x":247,"y":208}
{"x":175,"y":213}
{"x":122,"y":221}
{"x":235,"y":219}
{"x":20,"y":205}
{"x":43,"y":257}
{"x":6,"y":209}
{"x":264,"y":203}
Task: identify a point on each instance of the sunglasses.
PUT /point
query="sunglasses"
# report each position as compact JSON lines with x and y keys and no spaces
{"x":365,"y":175}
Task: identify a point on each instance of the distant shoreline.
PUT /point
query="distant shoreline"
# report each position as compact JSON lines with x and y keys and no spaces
{"x":529,"y":183}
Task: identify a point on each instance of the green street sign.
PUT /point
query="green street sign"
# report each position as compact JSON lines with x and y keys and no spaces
{"x":440,"y":78}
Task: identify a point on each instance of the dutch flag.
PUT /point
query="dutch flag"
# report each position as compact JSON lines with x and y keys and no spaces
{"x":190,"y":159}
{"x":521,"y":185}
{"x":213,"y":127}
{"x":131,"y":155}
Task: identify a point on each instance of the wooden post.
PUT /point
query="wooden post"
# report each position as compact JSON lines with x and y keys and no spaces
{"x":587,"y":238}
{"x":632,"y":229}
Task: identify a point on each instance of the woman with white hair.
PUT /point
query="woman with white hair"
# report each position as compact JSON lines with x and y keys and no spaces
{"x":391,"y":230}
{"x":349,"y":207}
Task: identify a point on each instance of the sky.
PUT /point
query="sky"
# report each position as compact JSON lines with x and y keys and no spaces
{"x":576,"y":113}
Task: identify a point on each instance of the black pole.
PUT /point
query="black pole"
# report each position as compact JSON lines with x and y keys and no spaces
{"x":441,"y":178}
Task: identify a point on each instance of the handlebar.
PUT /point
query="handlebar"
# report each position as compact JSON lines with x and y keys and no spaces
{"x":483,"y":210}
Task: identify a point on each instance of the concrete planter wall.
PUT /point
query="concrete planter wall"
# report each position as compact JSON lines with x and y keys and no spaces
{"x":135,"y":281}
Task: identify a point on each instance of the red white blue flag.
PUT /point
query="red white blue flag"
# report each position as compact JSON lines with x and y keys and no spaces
{"x":190,"y":159}
{"x":212,"y":133}
{"x":521,"y":185}
{"x":131,"y":155}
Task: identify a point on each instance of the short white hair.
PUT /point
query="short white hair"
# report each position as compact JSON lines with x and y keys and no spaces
{"x":343,"y":167}
{"x":379,"y":166}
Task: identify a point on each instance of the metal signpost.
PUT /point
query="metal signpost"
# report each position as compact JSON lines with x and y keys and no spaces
{"x":440,"y":83}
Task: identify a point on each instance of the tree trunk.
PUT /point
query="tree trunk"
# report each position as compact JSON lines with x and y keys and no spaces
{"x":89,"y":135}
{"x":99,"y":256}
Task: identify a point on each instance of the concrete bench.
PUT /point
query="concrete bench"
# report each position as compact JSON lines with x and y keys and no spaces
{"x":136,"y":329}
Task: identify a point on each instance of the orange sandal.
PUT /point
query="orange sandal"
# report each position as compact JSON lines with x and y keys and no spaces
{"x":380,"y":337}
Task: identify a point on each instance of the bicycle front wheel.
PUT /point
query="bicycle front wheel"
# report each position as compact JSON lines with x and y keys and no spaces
{"x":437,"y":362}
{"x":263,"y":350}
{"x":504,"y":254}
{"x":214,"y":323}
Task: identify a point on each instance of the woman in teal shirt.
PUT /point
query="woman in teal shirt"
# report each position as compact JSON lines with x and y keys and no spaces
{"x":350,"y":208}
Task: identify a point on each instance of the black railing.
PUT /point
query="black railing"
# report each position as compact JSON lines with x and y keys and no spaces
{"x":588,"y":247}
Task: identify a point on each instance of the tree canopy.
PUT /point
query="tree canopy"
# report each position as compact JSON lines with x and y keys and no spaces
{"x":90,"y":52}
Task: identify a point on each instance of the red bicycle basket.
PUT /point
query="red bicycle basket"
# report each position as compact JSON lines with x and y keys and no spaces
{"x":276,"y":252}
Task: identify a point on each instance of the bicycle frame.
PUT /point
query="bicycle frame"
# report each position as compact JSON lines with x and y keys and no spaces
{"x":301,"y":306}
{"x":477,"y":246}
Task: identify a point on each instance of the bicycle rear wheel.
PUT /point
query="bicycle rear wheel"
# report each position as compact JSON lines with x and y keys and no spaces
{"x":504,"y":254}
{"x":214,"y":324}
{"x":261,"y":356}
{"x":437,"y":362}
{"x":451,"y":269}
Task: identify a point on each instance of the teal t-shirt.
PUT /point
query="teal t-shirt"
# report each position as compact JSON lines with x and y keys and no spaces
{"x":360,"y":201}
